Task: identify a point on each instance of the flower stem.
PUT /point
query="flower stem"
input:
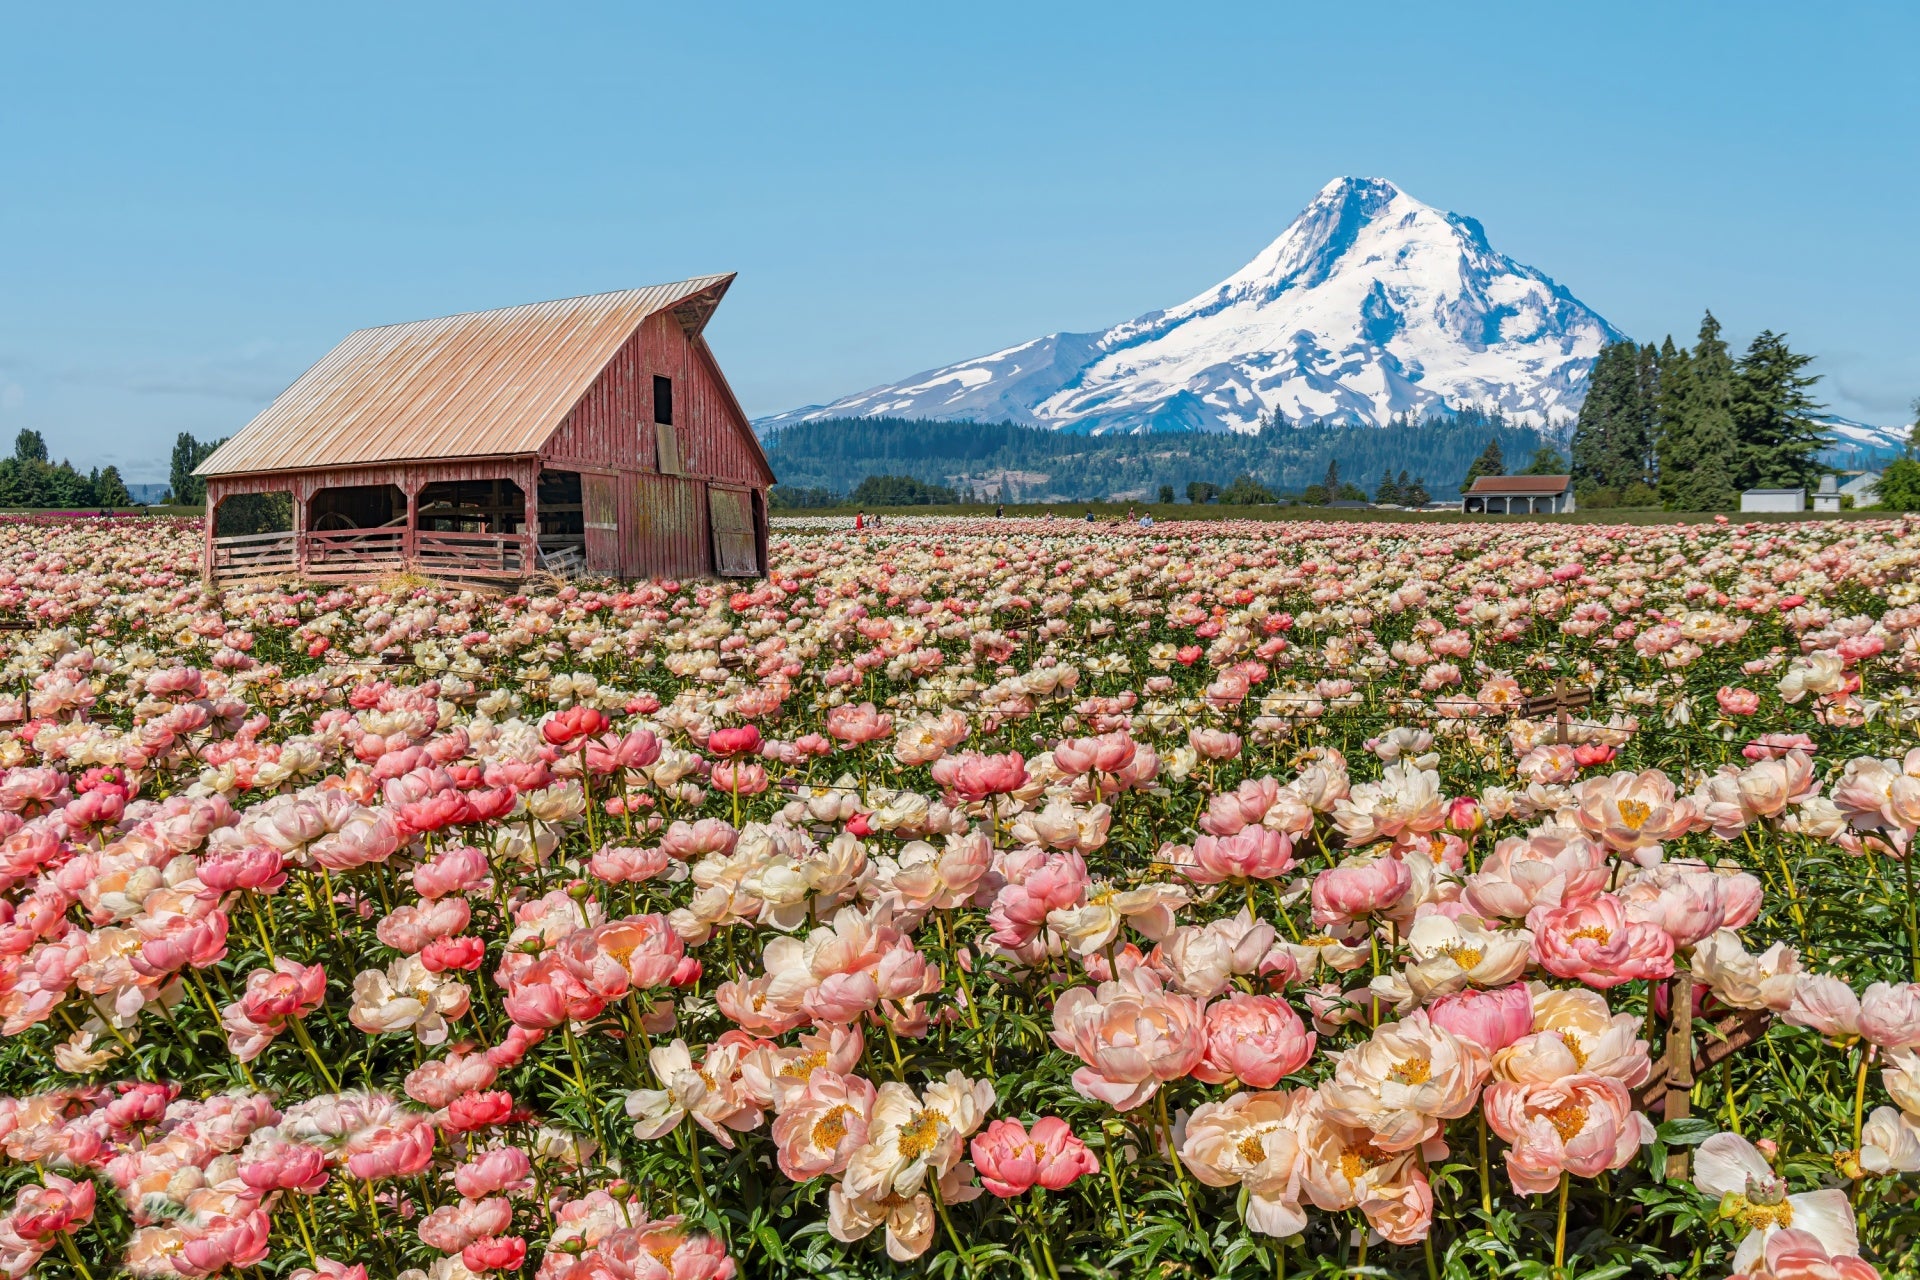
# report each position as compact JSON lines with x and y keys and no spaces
{"x":1486,"y":1175}
{"x":966,"y":1259}
{"x":259,"y":925}
{"x":1560,"y":1230}
{"x":300,"y":1034}
{"x":1173,"y":1154}
{"x":73,"y":1255}
{"x":586,"y":1093}
{"x":1113,"y":1177}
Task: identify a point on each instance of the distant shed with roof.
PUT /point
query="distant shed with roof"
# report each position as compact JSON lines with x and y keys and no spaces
{"x":589,"y":435}
{"x":1518,"y":495}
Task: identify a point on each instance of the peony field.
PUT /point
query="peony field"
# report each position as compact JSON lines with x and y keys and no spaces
{"x":970,"y":898}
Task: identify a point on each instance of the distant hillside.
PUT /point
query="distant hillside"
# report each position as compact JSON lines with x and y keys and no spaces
{"x":1037,"y":465}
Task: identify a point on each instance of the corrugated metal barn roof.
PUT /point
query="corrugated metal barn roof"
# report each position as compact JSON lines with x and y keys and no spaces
{"x":1497,"y":485}
{"x":480,"y":384}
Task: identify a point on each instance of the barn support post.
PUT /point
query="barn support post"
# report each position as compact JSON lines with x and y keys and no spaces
{"x":206,"y":548}
{"x":410,"y":482}
{"x":302,"y":494}
{"x":530,"y":489}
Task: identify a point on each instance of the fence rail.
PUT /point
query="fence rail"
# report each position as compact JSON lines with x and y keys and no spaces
{"x":250,"y":553}
{"x":338,"y":551}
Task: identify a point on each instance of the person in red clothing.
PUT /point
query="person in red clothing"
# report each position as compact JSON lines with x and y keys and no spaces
{"x":859,"y":519}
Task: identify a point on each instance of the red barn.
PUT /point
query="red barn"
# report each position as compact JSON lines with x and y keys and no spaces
{"x":592,"y":435}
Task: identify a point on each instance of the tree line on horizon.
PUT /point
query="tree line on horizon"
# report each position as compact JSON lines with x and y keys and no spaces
{"x":1691,"y":429}
{"x":1007,"y":462}
{"x":29,"y":478}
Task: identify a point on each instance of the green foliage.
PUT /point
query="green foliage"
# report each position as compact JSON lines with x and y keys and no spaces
{"x":1024,"y":464}
{"x":1613,"y":440}
{"x":1245,"y":491}
{"x":1547,"y":461}
{"x":30,"y":446}
{"x":1773,"y":416}
{"x":1200,"y":492}
{"x":1900,"y":485}
{"x":109,"y":490}
{"x":1491,"y":462}
{"x":188,"y":453}
{"x":899,"y":491}
{"x":786,"y":497}
{"x":1166,"y":493}
{"x":254,"y":513}
{"x":1316,"y":495}
{"x":33,"y":482}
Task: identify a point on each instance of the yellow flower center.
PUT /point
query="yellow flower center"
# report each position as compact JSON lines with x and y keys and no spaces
{"x":1252,"y":1148}
{"x":1319,"y":940}
{"x":1575,"y":1048}
{"x":803,"y":1067}
{"x":919,"y":1134}
{"x":1465,"y":957}
{"x":1412,"y":1071}
{"x":1569,"y":1118}
{"x":1761,"y":1216}
{"x":1599,"y":933}
{"x":1357,"y":1161}
{"x":829,"y":1129}
{"x":1635,"y":813}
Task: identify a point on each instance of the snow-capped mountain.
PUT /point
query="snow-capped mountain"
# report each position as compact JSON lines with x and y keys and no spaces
{"x":1370,"y":304}
{"x":1845,"y":435}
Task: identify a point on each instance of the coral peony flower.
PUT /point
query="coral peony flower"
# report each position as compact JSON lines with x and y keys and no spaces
{"x":1491,"y":1019}
{"x":1132,"y":1034}
{"x":1256,"y":1040}
{"x":1407,"y":1079}
{"x":1595,"y":943}
{"x":1252,"y":1140}
{"x":821,"y":1125}
{"x":1011,"y":1161}
{"x":1583,"y":1125}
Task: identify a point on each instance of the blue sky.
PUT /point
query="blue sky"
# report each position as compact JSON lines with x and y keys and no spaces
{"x":197,"y":201}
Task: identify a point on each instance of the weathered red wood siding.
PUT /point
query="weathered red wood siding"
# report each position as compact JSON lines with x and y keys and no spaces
{"x":608,"y":436}
{"x":612,"y":425}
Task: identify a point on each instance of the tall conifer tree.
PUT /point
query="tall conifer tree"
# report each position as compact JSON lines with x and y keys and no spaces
{"x":1773,"y":416}
{"x":1698,"y":447}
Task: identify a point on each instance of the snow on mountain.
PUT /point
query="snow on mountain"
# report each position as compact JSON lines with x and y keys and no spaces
{"x":1847,"y":435}
{"x":1370,"y":304}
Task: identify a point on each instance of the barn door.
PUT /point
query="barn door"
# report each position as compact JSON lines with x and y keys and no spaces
{"x":735,"y":549}
{"x":599,"y":502}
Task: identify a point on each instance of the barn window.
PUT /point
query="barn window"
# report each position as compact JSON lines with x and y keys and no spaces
{"x":663,"y":399}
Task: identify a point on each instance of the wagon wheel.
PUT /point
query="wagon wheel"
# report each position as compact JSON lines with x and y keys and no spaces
{"x":333,"y":520}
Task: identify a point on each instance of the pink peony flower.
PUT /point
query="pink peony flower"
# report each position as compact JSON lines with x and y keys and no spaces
{"x":1597,"y":944}
{"x":1011,"y":1161}
{"x":1256,"y":1040}
{"x":1359,"y":887}
{"x":1132,"y":1034}
{"x":1890,"y":1015}
{"x":1491,"y":1019}
{"x":1583,"y":1125}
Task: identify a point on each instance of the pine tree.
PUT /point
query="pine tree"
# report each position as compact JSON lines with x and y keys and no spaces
{"x":1596,"y":444}
{"x":109,"y":490}
{"x":1332,"y":483}
{"x":1773,"y":417}
{"x":188,"y":489}
{"x":1386,"y":493}
{"x":1491,"y":462}
{"x":1698,"y":447}
{"x":30,"y":446}
{"x":1646,"y":469}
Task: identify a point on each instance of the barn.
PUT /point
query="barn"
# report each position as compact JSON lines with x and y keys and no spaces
{"x":591,"y":435}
